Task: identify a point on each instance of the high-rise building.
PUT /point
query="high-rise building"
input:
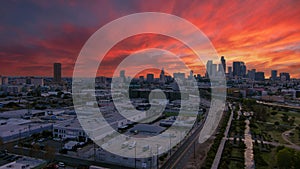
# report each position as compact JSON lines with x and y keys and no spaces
{"x":162,"y":76}
{"x":236,"y":69}
{"x":251,"y":74}
{"x":284,"y":76}
{"x":274,"y":75}
{"x":179,"y":75}
{"x":243,"y":69}
{"x":223,"y":62}
{"x":150,"y":77}
{"x":230,"y":71}
{"x":122,"y":73}
{"x":239,"y":69}
{"x":259,"y":76}
{"x":220,"y":68}
{"x":141,"y":78}
{"x":191,"y":75}
{"x":57,"y":72}
{"x":209,"y":68}
{"x":214,"y":69}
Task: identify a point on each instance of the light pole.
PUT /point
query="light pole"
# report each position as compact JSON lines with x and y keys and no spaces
{"x":157,"y":161}
{"x":170,"y":145}
{"x":135,"y":156}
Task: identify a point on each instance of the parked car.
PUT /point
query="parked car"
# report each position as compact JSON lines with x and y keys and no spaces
{"x":61,"y":164}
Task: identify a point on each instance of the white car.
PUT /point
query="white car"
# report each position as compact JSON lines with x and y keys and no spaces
{"x":61,"y":164}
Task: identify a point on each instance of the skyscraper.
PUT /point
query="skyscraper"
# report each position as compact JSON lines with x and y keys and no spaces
{"x":230,"y":71}
{"x":122,"y":75}
{"x":162,"y":75}
{"x":191,"y":75}
{"x":251,"y":74}
{"x":259,"y":76}
{"x":236,"y":69}
{"x":239,"y":69}
{"x":209,"y":68}
{"x":274,"y":75}
{"x":150,"y":77}
{"x":223,"y":62}
{"x":214,"y":69}
{"x":57,"y":72}
{"x":243,"y":69}
{"x":284,"y":76}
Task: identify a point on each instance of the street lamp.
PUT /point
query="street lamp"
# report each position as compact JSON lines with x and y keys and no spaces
{"x":157,"y":161}
{"x":135,"y":156}
{"x":170,"y":144}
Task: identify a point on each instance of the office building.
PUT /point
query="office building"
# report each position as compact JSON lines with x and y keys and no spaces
{"x":223,"y":62}
{"x":57,"y":72}
{"x":150,"y":77}
{"x":214,"y":69}
{"x":209,"y":68}
{"x":239,"y":69}
{"x":69,"y":129}
{"x":230,"y":72}
{"x":122,"y":74}
{"x":243,"y":69}
{"x":284,"y":76}
{"x":251,"y":74}
{"x":259,"y":76}
{"x":236,"y":69}
{"x":191,"y":75}
{"x":179,"y":75}
{"x":274,"y":75}
{"x":162,"y":76}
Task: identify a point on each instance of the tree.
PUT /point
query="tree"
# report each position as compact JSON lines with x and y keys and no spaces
{"x":285,"y":118}
{"x":288,"y":158}
{"x":1,"y":143}
{"x":285,"y":159}
{"x":276,"y":123}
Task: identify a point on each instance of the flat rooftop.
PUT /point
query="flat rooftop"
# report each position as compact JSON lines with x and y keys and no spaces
{"x":23,"y":163}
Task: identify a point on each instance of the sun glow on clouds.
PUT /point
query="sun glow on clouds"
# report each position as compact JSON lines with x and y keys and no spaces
{"x":264,"y":34}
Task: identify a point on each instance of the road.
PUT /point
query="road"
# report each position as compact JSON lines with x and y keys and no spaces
{"x":179,"y":158}
{"x":222,"y":144}
{"x":68,"y":160}
{"x":285,"y":138}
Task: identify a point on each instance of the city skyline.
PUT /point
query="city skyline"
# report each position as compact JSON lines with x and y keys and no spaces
{"x":234,"y":32}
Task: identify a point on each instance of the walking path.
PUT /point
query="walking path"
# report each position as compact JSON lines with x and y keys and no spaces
{"x":222,"y":144}
{"x":249,"y":157}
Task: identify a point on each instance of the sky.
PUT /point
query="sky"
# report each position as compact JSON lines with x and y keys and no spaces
{"x":35,"y":34}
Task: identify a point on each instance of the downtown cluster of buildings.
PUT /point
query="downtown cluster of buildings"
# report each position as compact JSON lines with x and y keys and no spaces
{"x":31,"y":105}
{"x":239,"y":71}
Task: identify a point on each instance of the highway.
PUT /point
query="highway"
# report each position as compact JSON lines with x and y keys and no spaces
{"x":180,"y":157}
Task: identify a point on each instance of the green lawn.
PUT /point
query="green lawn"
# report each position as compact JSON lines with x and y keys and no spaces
{"x":295,"y":138}
{"x":277,"y":117}
{"x":269,"y":158}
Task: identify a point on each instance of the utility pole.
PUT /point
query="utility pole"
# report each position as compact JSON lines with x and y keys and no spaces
{"x":170,"y":145}
{"x":157,"y":160}
{"x":194,"y":149}
{"x":135,"y":156}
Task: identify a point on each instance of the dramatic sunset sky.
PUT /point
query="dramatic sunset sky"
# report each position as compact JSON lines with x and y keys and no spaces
{"x":35,"y":34}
